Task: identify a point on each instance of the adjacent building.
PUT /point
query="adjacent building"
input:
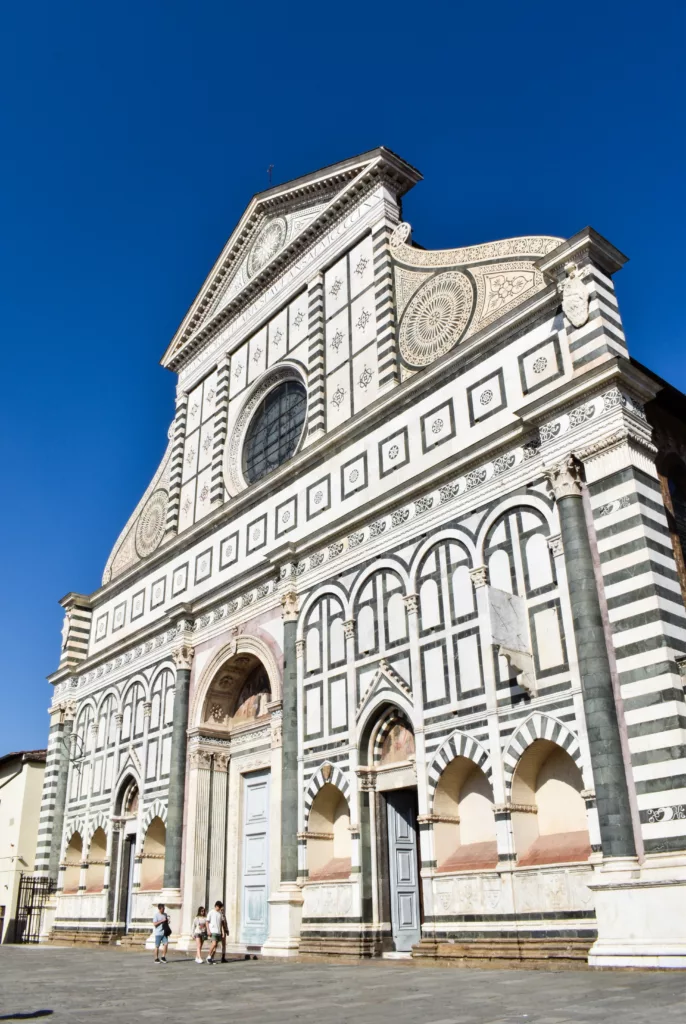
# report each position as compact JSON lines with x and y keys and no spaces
{"x":21,"y":787}
{"x":388,"y":656}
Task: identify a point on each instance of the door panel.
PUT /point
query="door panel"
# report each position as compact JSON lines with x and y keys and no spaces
{"x":254,"y":906}
{"x":402,"y":855}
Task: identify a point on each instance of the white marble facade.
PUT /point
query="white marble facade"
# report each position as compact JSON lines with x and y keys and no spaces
{"x":414,"y":539}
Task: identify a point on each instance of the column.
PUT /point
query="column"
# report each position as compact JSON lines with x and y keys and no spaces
{"x":221,"y":414}
{"x":289,"y":742}
{"x":183,"y":659}
{"x":176,"y":470}
{"x":612,"y":795}
{"x":286,"y":904}
{"x":54,"y":790}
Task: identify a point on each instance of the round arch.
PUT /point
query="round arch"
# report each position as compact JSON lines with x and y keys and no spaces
{"x":458,"y":536}
{"x":330,"y":590}
{"x":242,"y":644}
{"x":379,"y":565}
{"x":542,"y":727}
{"x":458,"y":744}
{"x":533,"y":501}
{"x":336,"y":778}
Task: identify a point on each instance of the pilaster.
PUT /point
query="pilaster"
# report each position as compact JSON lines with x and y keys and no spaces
{"x":221,"y":413}
{"x":176,"y":467}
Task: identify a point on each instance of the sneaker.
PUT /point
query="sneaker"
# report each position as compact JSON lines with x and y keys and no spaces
{"x":210,"y":960}
{"x":163,"y":959}
{"x":198,"y":960}
{"x":156,"y":960}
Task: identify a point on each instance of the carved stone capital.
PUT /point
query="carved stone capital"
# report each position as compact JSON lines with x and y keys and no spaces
{"x":183,"y":656}
{"x":565,"y":478}
{"x":300,"y":648}
{"x":411,"y":603}
{"x":147,"y":709}
{"x":118,"y":719}
{"x":289,"y":606}
{"x":479,"y":576}
{"x":349,"y":629}
{"x":367,"y":779}
{"x":555,"y":545}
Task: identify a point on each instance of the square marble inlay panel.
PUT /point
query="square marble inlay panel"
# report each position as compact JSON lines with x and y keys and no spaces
{"x":318,"y":497}
{"x":486,"y":397}
{"x":354,"y":475}
{"x":157,"y":592}
{"x":137,"y":605}
{"x":438,"y":425}
{"x":203,"y":565}
{"x":394,"y":452}
{"x":228,"y":551}
{"x":179,"y":579}
{"x":540,"y":365}
{"x":286,"y":516}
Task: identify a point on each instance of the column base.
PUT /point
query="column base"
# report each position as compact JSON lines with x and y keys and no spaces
{"x":286,"y":909}
{"x":641,"y":913}
{"x":48,"y":918}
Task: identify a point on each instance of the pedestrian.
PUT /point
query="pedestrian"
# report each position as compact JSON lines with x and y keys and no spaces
{"x":200,"y":932}
{"x":161,"y":930}
{"x":225,"y":930}
{"x":217,"y":927}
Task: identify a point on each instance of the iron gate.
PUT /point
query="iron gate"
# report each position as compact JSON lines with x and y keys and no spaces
{"x":33,"y":894}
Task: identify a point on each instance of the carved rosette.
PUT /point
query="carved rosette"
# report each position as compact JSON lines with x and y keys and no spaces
{"x":564,"y":478}
{"x":183,"y":656}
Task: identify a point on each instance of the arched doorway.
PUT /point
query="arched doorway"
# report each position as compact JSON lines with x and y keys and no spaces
{"x":231,"y":799}
{"x":388,"y":749}
{"x":126,"y":816}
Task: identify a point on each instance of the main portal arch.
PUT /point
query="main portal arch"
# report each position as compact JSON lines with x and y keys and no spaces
{"x":232,"y":841}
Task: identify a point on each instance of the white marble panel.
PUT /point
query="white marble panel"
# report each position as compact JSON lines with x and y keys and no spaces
{"x":363,"y":321}
{"x":468,"y":661}
{"x":166,"y":756}
{"x":297,"y":321}
{"x":257,"y":355}
{"x":313,"y":710}
{"x":187,"y":506}
{"x":194,"y":409}
{"x":365,"y":377}
{"x":205,"y":444}
{"x":338,"y":397}
{"x":434,"y":674}
{"x":336,"y":287}
{"x":338,"y":697}
{"x":277,"y":338}
{"x":361,"y":266}
{"x":548,"y":638}
{"x":337,"y":340}
{"x":209,"y":396}
{"x":239,"y":371}
{"x":190,"y":455}
{"x":202,"y":500}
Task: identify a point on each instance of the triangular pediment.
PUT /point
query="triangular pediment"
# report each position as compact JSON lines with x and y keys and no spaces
{"x":386,"y":681}
{"x":277,"y":227}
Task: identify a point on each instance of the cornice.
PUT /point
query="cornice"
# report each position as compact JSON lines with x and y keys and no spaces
{"x":586,"y":244}
{"x":356,"y":178}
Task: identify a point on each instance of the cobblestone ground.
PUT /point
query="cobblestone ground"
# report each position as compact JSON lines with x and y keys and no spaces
{"x":106,"y":985}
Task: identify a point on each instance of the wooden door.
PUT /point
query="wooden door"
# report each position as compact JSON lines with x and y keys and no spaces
{"x":403,"y":872}
{"x":255,"y":908}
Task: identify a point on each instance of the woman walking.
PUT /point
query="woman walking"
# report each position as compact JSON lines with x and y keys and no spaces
{"x":200,"y":932}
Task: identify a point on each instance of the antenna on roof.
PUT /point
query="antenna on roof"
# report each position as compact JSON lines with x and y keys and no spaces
{"x":269,"y":172}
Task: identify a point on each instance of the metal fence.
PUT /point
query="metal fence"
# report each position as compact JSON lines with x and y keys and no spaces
{"x":34,"y":892}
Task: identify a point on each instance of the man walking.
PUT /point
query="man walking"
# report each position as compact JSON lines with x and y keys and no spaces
{"x":161,"y":932}
{"x":218,"y":931}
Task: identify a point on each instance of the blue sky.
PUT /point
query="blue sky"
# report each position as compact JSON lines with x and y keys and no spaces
{"x":133,"y":136}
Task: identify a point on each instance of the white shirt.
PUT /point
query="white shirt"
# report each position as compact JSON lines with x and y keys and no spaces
{"x":215,"y":918}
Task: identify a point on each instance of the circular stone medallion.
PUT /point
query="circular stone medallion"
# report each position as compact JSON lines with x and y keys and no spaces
{"x":270,"y":239}
{"x":150,"y":526}
{"x":435,"y":318}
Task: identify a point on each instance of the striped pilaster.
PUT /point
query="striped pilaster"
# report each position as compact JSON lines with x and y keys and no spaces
{"x":602,"y":334}
{"x":385,"y":310}
{"x":221,"y":414}
{"x":648,"y":623}
{"x":176,"y":470}
{"x":54,"y":794}
{"x":77,"y":628}
{"x":316,"y":384}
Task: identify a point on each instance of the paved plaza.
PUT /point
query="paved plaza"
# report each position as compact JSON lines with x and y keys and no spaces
{"x":103,"y":986}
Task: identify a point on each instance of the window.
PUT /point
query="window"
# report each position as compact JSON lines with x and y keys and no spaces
{"x":275,"y":430}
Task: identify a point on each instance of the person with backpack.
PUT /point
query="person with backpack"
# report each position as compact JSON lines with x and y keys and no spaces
{"x":161,"y":930}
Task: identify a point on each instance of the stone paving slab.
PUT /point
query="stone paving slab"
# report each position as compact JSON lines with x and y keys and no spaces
{"x":103,"y":986}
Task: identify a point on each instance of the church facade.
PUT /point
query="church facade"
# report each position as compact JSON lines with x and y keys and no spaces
{"x":389,"y":655}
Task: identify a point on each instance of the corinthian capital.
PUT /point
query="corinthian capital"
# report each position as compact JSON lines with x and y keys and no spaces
{"x":289,"y":606}
{"x":565,"y":478}
{"x":183,"y":656}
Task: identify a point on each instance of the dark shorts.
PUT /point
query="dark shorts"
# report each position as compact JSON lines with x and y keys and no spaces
{"x":216,"y":936}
